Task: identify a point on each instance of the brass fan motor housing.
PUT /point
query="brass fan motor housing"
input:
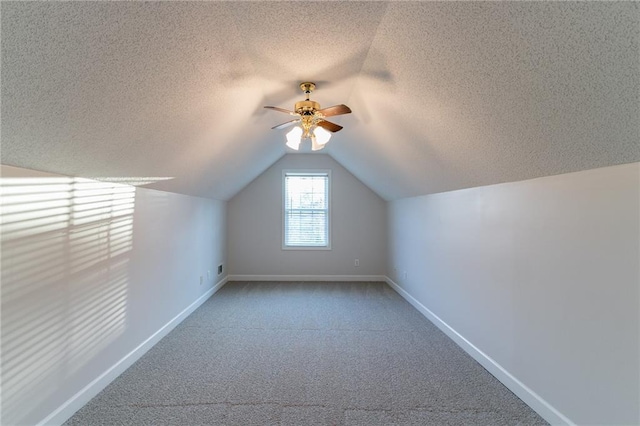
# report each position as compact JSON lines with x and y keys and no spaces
{"x":306,"y":107}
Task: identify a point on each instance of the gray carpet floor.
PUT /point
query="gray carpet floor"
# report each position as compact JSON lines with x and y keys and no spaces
{"x":266,"y":353}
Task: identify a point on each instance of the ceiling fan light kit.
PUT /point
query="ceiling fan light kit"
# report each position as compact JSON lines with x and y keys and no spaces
{"x":310,"y":122}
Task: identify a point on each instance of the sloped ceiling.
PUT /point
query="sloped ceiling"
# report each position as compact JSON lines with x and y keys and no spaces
{"x":445,"y":95}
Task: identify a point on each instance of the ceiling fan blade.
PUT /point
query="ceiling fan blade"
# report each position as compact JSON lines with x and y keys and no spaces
{"x":286,"y":111}
{"x":335,"y":110}
{"x":327,"y":125}
{"x":287,"y":124}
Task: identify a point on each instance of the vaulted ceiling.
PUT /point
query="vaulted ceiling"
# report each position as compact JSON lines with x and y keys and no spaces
{"x":445,"y":95}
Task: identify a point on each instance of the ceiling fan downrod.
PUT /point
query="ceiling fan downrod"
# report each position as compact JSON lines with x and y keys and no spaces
{"x":307,"y":107}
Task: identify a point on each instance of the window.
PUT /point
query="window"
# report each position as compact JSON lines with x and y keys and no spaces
{"x":306,"y":210}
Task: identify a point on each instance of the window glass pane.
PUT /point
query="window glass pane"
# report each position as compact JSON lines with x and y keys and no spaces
{"x":306,"y":228}
{"x":306,"y":192}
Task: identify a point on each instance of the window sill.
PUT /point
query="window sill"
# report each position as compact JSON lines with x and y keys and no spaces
{"x":305,"y":248}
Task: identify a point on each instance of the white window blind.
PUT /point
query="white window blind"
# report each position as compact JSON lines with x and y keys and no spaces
{"x":306,"y":209}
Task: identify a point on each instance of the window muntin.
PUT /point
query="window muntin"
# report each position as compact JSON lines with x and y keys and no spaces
{"x":306,"y":210}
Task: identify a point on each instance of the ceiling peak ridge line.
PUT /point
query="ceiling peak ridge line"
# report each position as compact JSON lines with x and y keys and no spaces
{"x":335,"y":71}
{"x":368,"y":50}
{"x":243,"y":42}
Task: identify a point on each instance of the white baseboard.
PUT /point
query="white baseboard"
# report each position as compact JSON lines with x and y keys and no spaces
{"x":66,"y":410}
{"x":532,"y":399}
{"x":307,"y":278}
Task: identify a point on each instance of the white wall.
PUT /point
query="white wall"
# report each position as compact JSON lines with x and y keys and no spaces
{"x":90,"y":271}
{"x":540,"y":275}
{"x":358,"y":226}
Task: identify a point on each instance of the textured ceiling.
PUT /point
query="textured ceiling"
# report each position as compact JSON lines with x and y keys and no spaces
{"x":446,"y":95}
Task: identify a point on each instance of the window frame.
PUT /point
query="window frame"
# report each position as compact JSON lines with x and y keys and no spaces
{"x":306,"y":172}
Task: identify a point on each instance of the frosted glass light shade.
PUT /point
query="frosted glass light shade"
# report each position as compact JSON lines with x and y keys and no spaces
{"x":293,"y":138}
{"x":322,"y":136}
{"x":315,"y":146}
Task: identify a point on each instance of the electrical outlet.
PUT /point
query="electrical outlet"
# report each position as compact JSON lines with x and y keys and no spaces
{"x":208,"y":275}
{"x":201,"y":280}
{"x":219,"y":269}
{"x":404,"y":275}
{"x":356,"y":262}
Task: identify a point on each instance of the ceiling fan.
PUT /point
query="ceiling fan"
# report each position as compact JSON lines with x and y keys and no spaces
{"x":313,"y":124}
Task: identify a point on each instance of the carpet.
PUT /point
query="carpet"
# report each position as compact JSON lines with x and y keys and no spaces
{"x":311,"y":353}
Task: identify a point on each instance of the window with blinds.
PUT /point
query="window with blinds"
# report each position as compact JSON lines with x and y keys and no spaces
{"x":306,"y":209}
